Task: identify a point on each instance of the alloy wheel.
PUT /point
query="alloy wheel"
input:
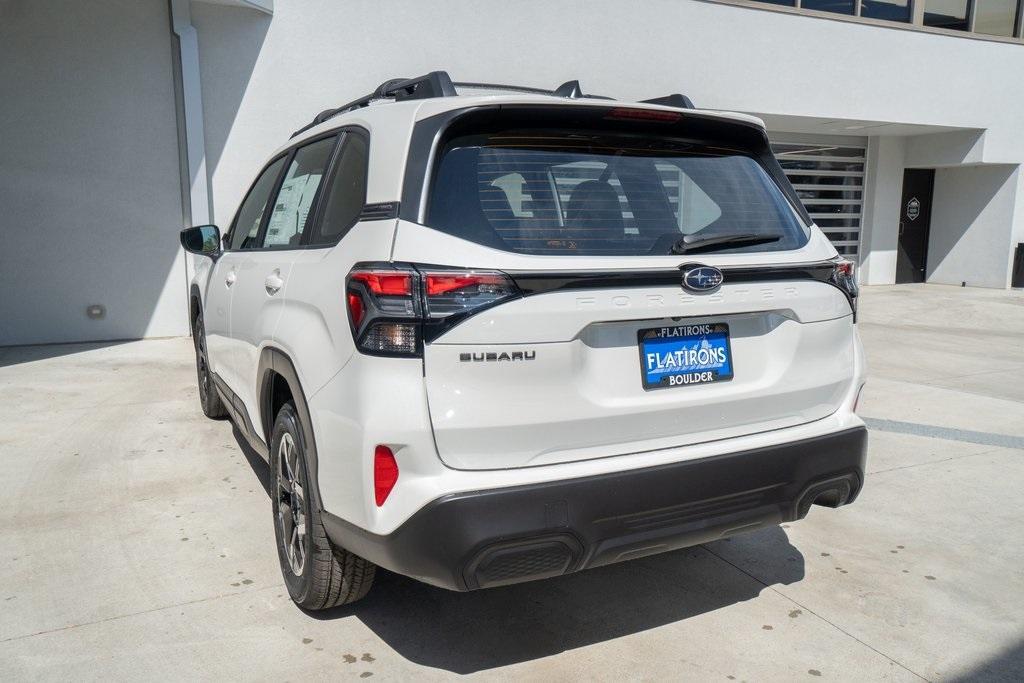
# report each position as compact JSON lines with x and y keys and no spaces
{"x":201,"y":365}
{"x":291,"y":515}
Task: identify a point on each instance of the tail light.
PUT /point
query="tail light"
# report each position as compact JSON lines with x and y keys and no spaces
{"x":844,"y":276}
{"x":395,"y":308}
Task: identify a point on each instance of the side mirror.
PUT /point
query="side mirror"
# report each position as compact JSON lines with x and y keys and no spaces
{"x":202,"y":240}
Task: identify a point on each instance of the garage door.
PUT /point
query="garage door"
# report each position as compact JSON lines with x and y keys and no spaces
{"x":829,"y":178}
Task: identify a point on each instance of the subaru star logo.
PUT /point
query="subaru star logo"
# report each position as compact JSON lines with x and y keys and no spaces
{"x":699,"y":278}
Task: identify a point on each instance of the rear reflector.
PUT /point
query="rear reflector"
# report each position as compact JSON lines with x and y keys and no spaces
{"x":356,"y":309}
{"x":385,"y":473}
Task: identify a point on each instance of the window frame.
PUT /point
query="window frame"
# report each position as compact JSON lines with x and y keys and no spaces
{"x":314,"y":205}
{"x":320,"y":203}
{"x":316,"y":208}
{"x":229,"y":236}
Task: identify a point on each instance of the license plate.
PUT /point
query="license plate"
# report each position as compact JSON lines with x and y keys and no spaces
{"x":682,"y":355}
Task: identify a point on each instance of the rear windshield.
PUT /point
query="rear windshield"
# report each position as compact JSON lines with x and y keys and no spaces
{"x":563,"y":191}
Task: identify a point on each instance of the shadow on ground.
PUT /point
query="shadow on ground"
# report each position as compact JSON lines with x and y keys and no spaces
{"x":468,"y":632}
{"x":1007,"y":666}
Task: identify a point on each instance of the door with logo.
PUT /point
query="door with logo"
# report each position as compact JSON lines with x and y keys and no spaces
{"x":915,"y":217}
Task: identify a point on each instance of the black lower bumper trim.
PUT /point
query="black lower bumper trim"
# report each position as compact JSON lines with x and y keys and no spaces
{"x":487,"y":538}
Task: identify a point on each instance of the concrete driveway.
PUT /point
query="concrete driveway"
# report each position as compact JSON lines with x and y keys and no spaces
{"x":136,"y":541}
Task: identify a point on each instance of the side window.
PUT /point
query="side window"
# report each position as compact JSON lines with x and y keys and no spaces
{"x":298,"y":189}
{"x":347,"y":192}
{"x":250,"y":215}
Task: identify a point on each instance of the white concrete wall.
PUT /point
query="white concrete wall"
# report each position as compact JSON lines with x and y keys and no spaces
{"x":319,"y":53}
{"x":971,"y":226}
{"x":880,"y":223}
{"x":90,"y":194}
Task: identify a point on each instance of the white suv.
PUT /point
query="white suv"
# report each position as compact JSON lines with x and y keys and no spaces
{"x":496,"y":334}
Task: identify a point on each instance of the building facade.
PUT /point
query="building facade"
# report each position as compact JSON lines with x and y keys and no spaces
{"x":899,"y":122}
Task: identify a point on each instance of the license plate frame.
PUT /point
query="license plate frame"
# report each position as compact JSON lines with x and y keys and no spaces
{"x":672,"y":339}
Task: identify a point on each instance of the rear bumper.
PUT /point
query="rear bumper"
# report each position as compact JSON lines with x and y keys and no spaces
{"x":479,"y":539}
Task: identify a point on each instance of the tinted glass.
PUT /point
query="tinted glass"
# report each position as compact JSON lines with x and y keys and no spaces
{"x":891,"y":10}
{"x":995,"y":17}
{"x":564,"y":192}
{"x":250,"y":214}
{"x":295,"y":199}
{"x":787,"y":3}
{"x":347,"y":193}
{"x":951,"y":14}
{"x":837,"y":6}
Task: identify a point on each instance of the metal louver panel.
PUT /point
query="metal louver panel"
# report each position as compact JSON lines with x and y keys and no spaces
{"x":829,"y":179}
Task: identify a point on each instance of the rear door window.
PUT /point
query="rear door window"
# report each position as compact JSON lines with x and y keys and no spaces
{"x":574,"y":192}
{"x":291,"y":212}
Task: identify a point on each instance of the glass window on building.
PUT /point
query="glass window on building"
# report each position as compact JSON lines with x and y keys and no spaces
{"x":948,"y":14}
{"x":995,"y":17}
{"x":890,"y":10}
{"x":837,"y":6}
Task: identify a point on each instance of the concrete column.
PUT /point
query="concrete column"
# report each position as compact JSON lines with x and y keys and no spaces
{"x":880,"y":223}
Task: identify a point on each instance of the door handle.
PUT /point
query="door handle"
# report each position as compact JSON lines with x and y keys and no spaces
{"x":901,"y":228}
{"x":273,"y":283}
{"x":230,"y":279}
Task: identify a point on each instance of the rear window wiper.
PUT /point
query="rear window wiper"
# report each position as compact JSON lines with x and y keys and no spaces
{"x":689,"y":244}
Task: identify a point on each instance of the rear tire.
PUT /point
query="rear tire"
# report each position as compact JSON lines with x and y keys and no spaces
{"x":317,"y":575}
{"x":209,"y":399}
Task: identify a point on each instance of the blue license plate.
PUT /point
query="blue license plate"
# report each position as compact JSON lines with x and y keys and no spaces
{"x":682,"y":355}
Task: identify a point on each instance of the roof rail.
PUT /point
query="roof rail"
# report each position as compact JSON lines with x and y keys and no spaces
{"x":433,"y":84}
{"x":439,"y":84}
{"x":569,"y":89}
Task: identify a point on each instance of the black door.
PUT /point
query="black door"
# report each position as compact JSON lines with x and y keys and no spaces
{"x":915,"y":216}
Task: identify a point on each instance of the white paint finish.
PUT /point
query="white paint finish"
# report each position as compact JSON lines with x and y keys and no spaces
{"x":89,"y":174}
{"x":972,"y":220}
{"x":256,"y":313}
{"x":491,"y":415}
{"x":880,"y":227}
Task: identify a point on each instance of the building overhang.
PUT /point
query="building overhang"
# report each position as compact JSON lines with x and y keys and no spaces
{"x":265,"y":6}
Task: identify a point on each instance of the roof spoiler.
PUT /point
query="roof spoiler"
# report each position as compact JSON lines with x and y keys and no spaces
{"x":439,"y":84}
